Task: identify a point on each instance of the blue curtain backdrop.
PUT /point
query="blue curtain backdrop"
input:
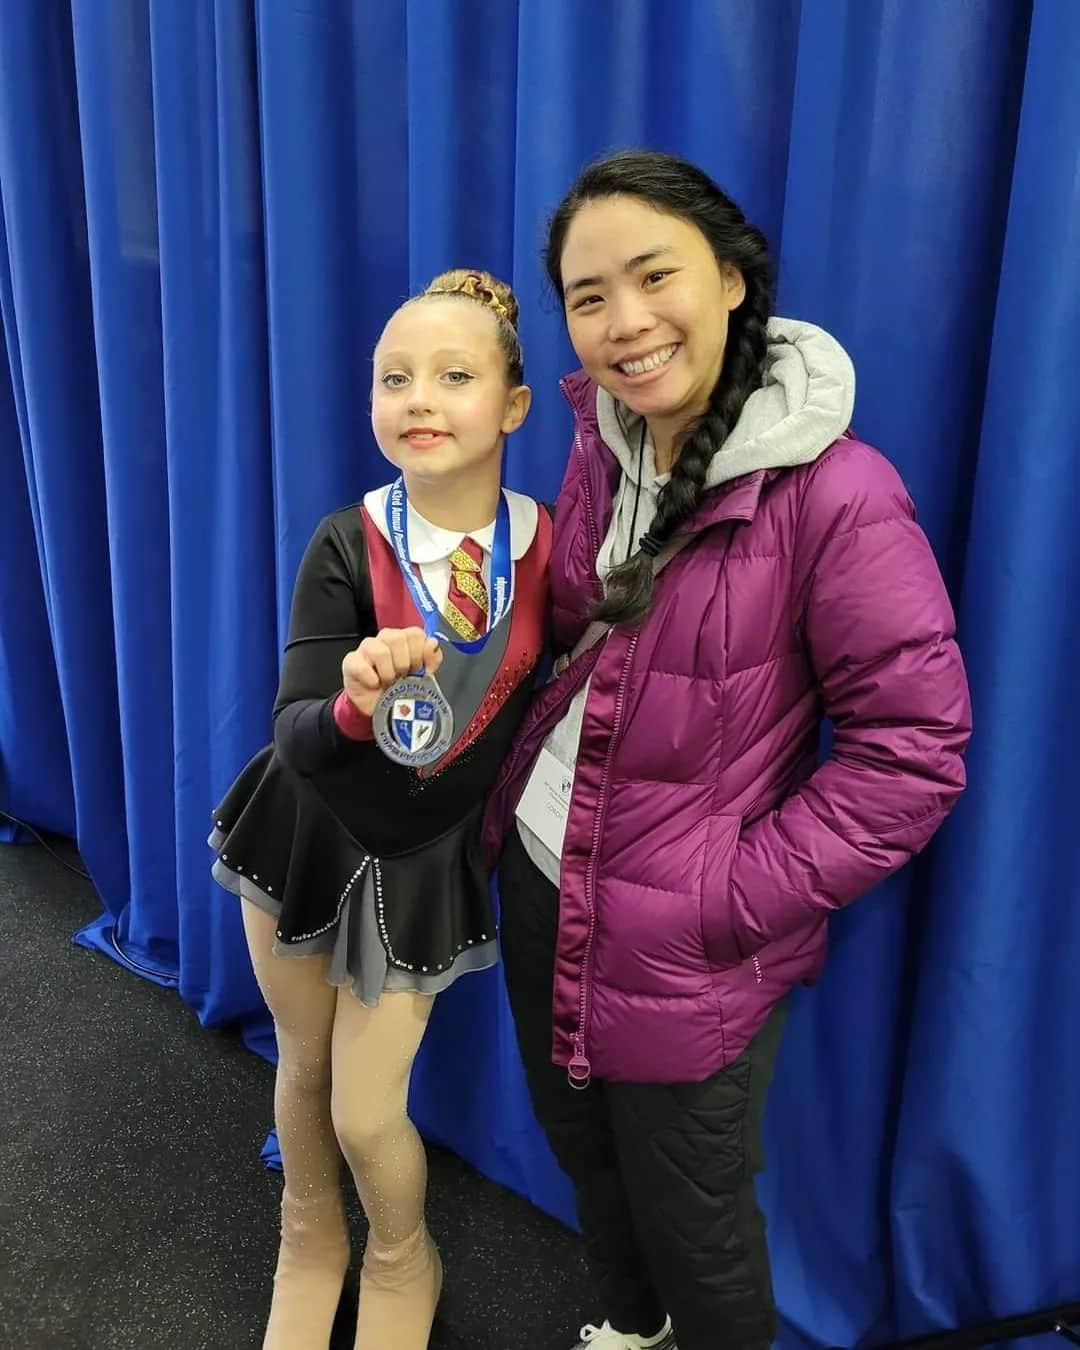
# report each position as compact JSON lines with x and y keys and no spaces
{"x":208,"y":210}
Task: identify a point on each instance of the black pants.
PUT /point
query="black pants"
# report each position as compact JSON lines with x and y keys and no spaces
{"x":663,"y":1173}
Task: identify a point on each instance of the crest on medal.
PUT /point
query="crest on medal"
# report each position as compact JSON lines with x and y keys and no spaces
{"x":413,"y":722}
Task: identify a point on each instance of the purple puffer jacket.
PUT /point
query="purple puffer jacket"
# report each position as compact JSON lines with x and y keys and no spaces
{"x":705,"y":847}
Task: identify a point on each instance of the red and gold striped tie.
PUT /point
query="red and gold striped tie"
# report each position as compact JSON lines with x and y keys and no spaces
{"x":467,"y":603}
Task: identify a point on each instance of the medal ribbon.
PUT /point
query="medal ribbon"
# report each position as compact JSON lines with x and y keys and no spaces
{"x":502,"y":572}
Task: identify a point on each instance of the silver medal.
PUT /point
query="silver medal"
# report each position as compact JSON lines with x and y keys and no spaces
{"x":413,"y":722}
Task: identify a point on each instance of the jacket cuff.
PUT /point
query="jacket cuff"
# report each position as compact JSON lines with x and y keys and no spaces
{"x":351,"y":722}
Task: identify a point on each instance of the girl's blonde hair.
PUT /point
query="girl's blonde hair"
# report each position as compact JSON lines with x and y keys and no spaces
{"x":493,"y":294}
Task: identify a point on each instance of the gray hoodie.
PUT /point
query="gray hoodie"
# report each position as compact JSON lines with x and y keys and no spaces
{"x":804,"y":405}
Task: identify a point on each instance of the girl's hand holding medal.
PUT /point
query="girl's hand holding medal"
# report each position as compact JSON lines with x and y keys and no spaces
{"x":380,"y":661}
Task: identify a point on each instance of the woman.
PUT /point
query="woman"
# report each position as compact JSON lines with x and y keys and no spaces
{"x":754,"y":567}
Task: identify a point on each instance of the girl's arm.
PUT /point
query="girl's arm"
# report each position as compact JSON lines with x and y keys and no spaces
{"x":331,"y":612}
{"x":880,"y":634}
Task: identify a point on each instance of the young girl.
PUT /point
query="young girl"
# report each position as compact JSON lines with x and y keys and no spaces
{"x":753,"y":566}
{"x":353,"y":840}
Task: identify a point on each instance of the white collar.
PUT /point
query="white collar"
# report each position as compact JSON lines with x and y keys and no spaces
{"x":430,"y":543}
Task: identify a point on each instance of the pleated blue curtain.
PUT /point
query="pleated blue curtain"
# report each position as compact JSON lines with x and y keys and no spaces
{"x":208,"y":211}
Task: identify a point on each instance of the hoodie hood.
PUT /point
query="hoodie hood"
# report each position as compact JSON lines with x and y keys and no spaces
{"x":804,"y":405}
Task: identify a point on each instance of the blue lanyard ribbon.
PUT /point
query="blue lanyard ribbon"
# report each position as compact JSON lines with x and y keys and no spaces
{"x":501,"y":590}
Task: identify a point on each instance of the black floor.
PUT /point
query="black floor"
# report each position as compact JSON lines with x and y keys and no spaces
{"x":134,"y":1211}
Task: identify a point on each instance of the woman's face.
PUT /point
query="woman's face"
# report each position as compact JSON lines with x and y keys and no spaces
{"x":647,"y":307}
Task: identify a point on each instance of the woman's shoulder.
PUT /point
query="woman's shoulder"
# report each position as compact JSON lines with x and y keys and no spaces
{"x":579,"y":390}
{"x":852,"y":484}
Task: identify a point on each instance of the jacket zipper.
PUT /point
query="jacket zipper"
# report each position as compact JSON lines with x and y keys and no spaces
{"x":579,"y":1070}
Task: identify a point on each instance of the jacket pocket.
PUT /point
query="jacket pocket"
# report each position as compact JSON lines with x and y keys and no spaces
{"x":717,"y":910}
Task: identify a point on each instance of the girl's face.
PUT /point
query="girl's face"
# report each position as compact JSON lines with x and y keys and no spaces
{"x":441,"y":401}
{"x":647,"y":307}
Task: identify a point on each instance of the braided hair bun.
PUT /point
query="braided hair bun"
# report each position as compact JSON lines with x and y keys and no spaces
{"x":494,"y":295}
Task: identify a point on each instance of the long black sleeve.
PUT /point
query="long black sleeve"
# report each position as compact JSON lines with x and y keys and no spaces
{"x":332,"y":610}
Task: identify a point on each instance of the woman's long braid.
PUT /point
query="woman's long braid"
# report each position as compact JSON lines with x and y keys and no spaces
{"x":629,"y":585}
{"x":676,"y":187}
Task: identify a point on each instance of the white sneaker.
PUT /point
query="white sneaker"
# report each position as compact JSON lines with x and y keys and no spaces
{"x":605,"y":1337}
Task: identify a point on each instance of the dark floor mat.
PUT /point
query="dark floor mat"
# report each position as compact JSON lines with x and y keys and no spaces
{"x":134,"y":1211}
